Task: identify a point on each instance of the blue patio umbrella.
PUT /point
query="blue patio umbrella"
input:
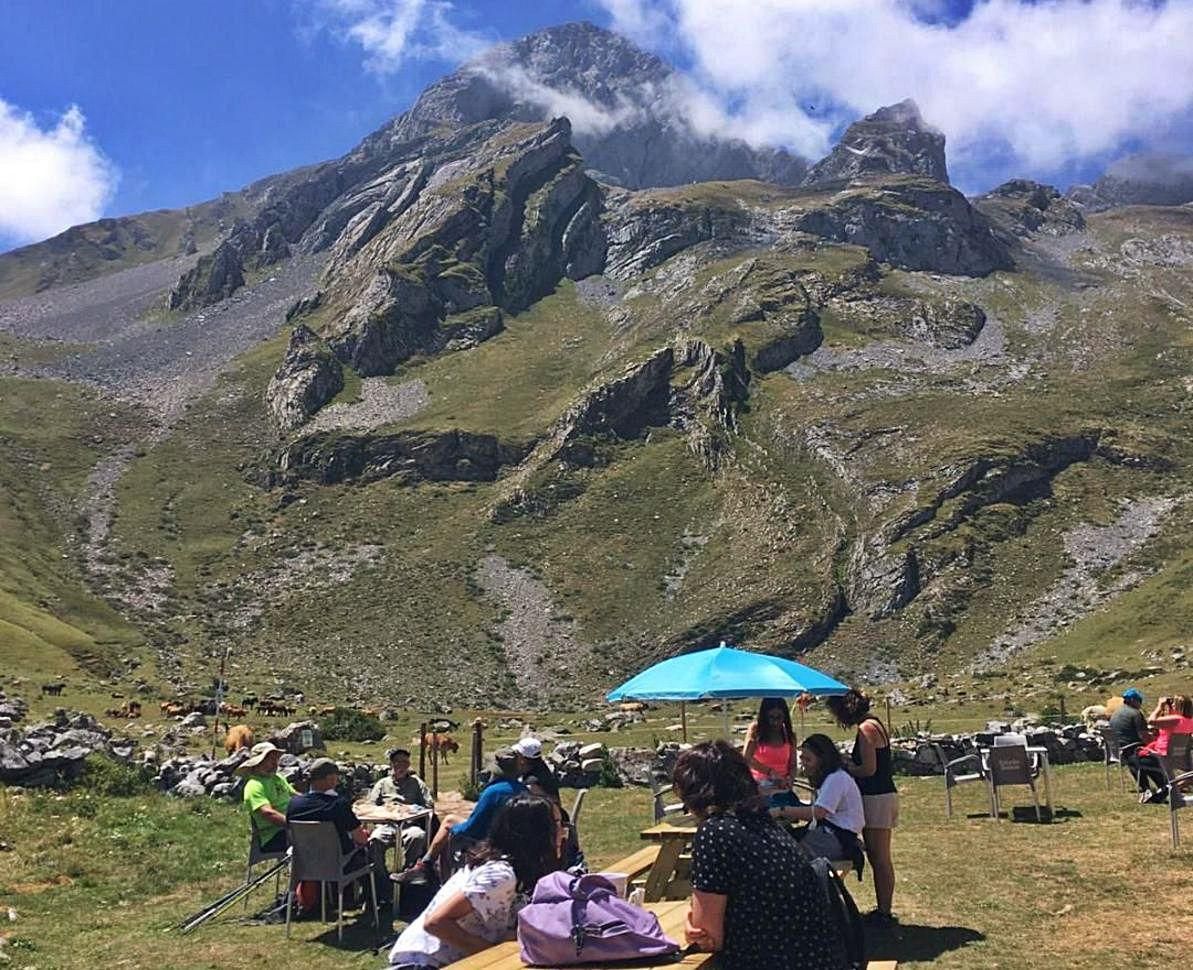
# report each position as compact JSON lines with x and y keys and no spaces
{"x":725,"y":672}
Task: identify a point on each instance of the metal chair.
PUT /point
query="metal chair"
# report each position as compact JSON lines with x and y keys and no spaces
{"x":1113,"y":754}
{"x":954,"y":776}
{"x":1177,"y":765}
{"x":318,"y":855}
{"x":257,"y":855}
{"x":1010,"y":764}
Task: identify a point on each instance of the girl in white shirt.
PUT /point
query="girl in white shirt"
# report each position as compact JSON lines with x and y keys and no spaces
{"x":478,"y":906}
{"x":837,"y":811}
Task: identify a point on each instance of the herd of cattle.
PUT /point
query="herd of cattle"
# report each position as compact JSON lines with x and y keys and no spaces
{"x":438,"y":741}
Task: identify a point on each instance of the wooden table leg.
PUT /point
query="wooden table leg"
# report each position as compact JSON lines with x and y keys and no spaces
{"x":663,"y":870}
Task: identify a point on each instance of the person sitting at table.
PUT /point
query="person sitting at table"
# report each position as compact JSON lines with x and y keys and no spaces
{"x":1129,"y":727}
{"x":478,"y":906}
{"x":400,"y":787}
{"x":459,"y":834}
{"x":755,"y":900}
{"x":770,"y":751}
{"x":573,"y":856}
{"x":1173,"y":715}
{"x":837,"y":810}
{"x":323,"y":803}
{"x":531,"y":748}
{"x":266,"y":795}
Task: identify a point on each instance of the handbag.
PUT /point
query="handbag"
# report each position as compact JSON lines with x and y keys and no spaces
{"x":573,"y":920}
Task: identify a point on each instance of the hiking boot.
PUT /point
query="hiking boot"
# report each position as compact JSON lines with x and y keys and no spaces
{"x":416,"y":875}
{"x":879,"y":919}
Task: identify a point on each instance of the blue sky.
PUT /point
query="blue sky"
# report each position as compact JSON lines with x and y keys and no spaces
{"x":118,"y":106}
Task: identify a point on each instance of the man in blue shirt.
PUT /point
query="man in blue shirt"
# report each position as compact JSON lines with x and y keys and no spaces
{"x":462,"y":834}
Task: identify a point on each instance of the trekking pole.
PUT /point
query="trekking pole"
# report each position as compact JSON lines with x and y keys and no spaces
{"x":232,"y":896}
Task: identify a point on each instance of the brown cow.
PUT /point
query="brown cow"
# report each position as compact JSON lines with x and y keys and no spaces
{"x":440,"y":744}
{"x":239,"y":736}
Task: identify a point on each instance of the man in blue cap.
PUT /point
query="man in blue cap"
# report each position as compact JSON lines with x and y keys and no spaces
{"x":1131,"y":732}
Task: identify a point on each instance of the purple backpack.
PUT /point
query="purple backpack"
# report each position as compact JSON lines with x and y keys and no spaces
{"x":581,"y":919}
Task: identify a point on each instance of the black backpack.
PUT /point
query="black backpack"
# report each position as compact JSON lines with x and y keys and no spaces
{"x":844,"y":919}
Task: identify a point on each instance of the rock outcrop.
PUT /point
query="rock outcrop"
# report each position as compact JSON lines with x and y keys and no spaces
{"x":308,"y":377}
{"x":411,"y":457}
{"x":54,"y":753}
{"x":215,"y":277}
{"x":1027,"y":208}
{"x":893,"y":140}
{"x":912,"y":223}
{"x":486,"y":233}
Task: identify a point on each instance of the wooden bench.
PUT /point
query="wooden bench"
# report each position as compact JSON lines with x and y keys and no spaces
{"x":636,"y":865}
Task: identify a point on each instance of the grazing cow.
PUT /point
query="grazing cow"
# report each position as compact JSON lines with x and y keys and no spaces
{"x":231,"y":710}
{"x":249,"y":701}
{"x":440,"y":744}
{"x":239,"y":736}
{"x":1093,"y":714}
{"x":130,"y":710}
{"x":54,"y":690}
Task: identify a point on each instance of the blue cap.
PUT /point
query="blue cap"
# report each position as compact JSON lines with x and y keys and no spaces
{"x":1132,"y":694}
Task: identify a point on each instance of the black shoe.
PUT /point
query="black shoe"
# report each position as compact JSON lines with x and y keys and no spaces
{"x":879,"y":919}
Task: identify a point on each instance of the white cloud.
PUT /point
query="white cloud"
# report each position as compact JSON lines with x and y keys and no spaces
{"x":391,"y":32}
{"x":50,"y":178}
{"x":1049,"y":81}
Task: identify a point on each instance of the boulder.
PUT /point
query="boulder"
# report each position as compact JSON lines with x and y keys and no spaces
{"x":299,"y":737}
{"x":308,"y":377}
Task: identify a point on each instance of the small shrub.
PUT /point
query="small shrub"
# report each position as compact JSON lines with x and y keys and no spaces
{"x":470,"y":789}
{"x":347,"y":724}
{"x":608,"y":777}
{"x":103,"y":776}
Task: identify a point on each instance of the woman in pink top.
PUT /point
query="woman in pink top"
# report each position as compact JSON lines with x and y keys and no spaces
{"x":771,"y":753}
{"x":1173,"y":715}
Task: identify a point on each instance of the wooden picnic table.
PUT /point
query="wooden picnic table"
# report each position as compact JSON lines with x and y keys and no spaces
{"x":504,"y":956}
{"x":666,"y":879}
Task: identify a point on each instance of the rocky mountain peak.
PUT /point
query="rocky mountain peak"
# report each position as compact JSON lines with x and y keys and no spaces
{"x":893,"y":140}
{"x":625,"y":104}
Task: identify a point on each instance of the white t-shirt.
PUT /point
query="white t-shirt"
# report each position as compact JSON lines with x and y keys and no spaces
{"x":840,"y":795}
{"x":491,"y":889}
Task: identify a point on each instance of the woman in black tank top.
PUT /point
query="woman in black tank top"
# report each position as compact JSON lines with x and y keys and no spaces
{"x":871,"y":768}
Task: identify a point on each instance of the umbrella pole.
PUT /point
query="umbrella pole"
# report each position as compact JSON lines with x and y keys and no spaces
{"x":683,"y":718}
{"x":725,"y":714}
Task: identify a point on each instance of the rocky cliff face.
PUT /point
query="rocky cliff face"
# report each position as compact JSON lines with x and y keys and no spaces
{"x":1027,"y":208}
{"x":1139,"y":180}
{"x":469,"y":238}
{"x":893,"y":140}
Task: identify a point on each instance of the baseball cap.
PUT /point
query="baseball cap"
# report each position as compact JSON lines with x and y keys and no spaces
{"x":1132,"y":694}
{"x":322,"y":767}
{"x":528,"y":747}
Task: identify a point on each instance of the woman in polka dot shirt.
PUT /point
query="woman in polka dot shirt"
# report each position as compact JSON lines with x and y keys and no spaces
{"x":755,"y":900}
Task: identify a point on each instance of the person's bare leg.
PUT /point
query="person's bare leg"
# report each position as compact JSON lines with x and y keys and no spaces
{"x":878,"y":848}
{"x":442,"y":837}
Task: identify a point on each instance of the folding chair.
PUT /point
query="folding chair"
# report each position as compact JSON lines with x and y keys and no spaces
{"x":257,"y":855}
{"x":1010,"y":764}
{"x":318,"y":855}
